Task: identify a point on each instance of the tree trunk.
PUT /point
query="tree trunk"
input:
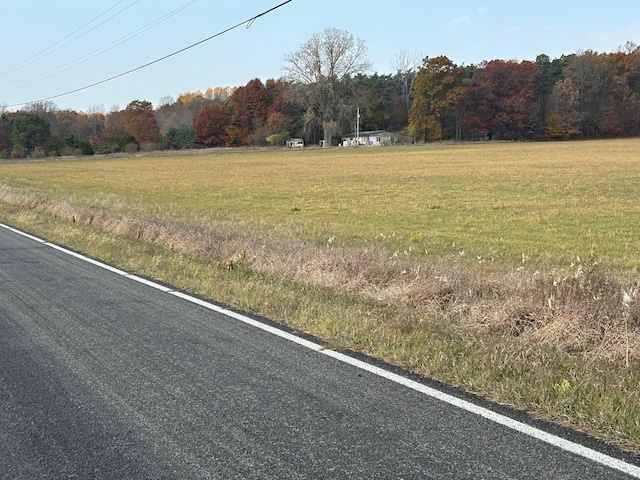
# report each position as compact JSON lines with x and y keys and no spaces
{"x":329,"y":128}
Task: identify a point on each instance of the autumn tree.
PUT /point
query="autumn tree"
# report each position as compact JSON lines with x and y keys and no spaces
{"x":79,"y":125}
{"x":592,"y":78}
{"x":67,"y":123}
{"x":622,"y":110}
{"x":499,"y":102}
{"x":564,"y":105}
{"x":210,"y":126}
{"x":248,"y":107}
{"x":599,"y":94}
{"x":218,"y":94}
{"x":173,"y":115}
{"x":323,"y":68}
{"x":278,"y":104}
{"x":140,"y":121}
{"x":114,"y":127}
{"x":280,"y":115}
{"x":436,"y":91}
{"x":194,"y":101}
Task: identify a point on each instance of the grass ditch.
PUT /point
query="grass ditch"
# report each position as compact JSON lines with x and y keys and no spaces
{"x":562,"y":343}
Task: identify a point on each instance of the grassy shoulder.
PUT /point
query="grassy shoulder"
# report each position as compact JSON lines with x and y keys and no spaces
{"x":432,"y":330}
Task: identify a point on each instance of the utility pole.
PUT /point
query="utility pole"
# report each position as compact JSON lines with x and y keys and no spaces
{"x":358,"y":127}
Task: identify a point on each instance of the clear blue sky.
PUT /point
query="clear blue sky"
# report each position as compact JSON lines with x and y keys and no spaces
{"x":44,"y":41}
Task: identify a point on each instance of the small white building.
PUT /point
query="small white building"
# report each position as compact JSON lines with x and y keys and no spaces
{"x":374,"y":138}
{"x":295,"y":143}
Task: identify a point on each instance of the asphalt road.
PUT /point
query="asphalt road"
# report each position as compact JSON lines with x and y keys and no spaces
{"x":104,"y":376}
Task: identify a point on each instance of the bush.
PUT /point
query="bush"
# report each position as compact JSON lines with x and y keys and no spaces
{"x":18,"y":152}
{"x":178,"y":139}
{"x":104,"y":149}
{"x":70,"y":141}
{"x":86,"y":148}
{"x":53,"y":146}
{"x":277,"y":139}
{"x":131,"y":147}
{"x":128,"y":144}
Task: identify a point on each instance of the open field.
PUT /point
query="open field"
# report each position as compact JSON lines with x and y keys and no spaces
{"x":550,"y":202}
{"x":509,"y":269}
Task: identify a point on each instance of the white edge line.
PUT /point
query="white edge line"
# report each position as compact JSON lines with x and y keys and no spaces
{"x":86,"y":259}
{"x":521,"y":427}
{"x":149,"y":283}
{"x":255,"y":323}
{"x":508,"y":422}
{"x":24,"y":234}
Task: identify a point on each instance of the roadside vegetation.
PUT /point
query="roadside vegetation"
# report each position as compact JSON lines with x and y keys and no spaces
{"x":507,"y":269}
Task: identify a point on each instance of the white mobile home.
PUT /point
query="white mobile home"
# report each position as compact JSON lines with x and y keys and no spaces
{"x":374,"y":138}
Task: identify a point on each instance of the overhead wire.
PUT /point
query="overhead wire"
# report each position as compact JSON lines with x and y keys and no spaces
{"x":91,"y":55}
{"x":50,"y":49}
{"x":249,"y":22}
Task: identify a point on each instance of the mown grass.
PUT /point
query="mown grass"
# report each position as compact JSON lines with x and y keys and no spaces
{"x":459,"y":262}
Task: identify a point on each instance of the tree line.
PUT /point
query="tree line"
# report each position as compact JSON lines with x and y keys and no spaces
{"x":582,"y":95}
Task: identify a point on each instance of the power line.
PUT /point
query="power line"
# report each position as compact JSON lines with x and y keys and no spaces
{"x":247,"y":22}
{"x":79,"y":61}
{"x":50,"y":49}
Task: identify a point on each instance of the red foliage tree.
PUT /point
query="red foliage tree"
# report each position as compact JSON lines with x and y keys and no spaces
{"x":211,"y":125}
{"x":257,"y":111}
{"x":623,"y":102}
{"x":280,"y":112}
{"x":140,"y":122}
{"x":248,"y":107}
{"x":500,"y":99}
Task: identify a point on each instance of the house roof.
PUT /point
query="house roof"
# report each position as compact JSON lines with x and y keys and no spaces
{"x":370,"y":133}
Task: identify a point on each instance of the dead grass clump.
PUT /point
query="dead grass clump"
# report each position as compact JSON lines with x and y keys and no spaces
{"x":571,"y":333}
{"x":435,"y":296}
{"x":590,"y":313}
{"x":511,"y":317}
{"x":610,"y":341}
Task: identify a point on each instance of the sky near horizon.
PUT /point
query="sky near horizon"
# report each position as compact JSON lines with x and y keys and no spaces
{"x":51,"y":48}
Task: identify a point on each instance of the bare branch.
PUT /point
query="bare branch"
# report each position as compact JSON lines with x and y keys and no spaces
{"x":322,"y":68}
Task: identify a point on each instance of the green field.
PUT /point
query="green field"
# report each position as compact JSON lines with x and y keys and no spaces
{"x":497,"y":267}
{"x":550,"y":202}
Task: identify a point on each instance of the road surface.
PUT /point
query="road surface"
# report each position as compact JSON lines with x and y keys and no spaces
{"x":106,"y":375}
